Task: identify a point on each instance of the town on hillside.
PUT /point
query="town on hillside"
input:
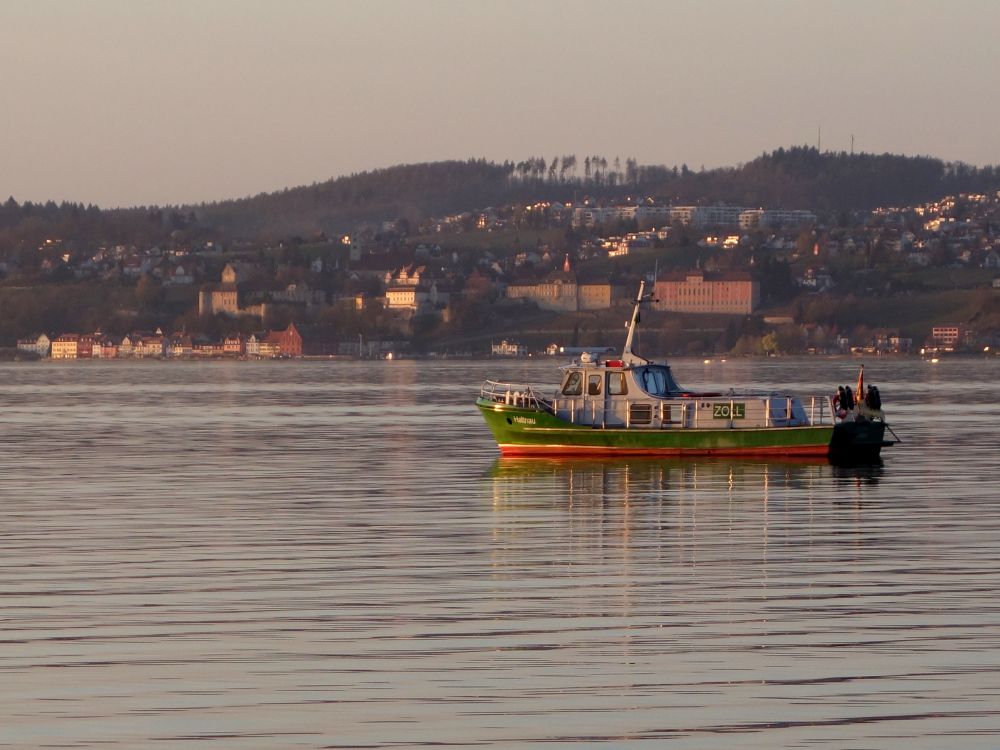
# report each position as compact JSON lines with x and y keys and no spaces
{"x":745,"y":280}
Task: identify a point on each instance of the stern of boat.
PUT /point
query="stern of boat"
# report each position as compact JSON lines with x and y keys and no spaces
{"x":858,"y":441}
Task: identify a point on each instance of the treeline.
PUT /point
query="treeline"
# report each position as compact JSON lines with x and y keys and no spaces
{"x":410,"y":191}
{"x":799,"y":177}
{"x":26,"y":227}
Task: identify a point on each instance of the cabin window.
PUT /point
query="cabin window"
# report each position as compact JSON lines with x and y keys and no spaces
{"x":653,"y":380}
{"x":616,"y":384}
{"x":640,"y":413}
{"x":574,"y":384}
{"x":594,"y":385}
{"x":661,"y":383}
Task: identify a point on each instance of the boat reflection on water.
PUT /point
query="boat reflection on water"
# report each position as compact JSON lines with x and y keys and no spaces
{"x":682,"y":512}
{"x":570,"y":482}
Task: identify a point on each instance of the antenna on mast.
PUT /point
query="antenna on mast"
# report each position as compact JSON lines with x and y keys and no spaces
{"x":819,"y":137}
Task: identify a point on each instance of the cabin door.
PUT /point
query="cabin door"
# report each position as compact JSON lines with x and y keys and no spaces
{"x":615,"y":402}
{"x":595,"y":399}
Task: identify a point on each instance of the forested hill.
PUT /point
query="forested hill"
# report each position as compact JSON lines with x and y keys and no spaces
{"x":410,"y":191}
{"x":799,"y":177}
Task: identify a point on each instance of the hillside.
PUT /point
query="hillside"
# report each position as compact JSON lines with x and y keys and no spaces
{"x":798,"y":177}
{"x":788,"y":178}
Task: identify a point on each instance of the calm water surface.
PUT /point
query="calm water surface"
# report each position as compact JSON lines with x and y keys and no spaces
{"x":330,"y":555}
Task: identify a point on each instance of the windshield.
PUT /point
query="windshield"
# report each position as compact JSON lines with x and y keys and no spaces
{"x":656,"y":380}
{"x":574,"y":384}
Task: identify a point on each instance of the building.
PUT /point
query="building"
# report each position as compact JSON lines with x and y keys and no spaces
{"x":287,"y":343}
{"x":126,"y":345}
{"x":415,"y":298}
{"x":223,"y":298}
{"x":65,"y":346}
{"x":652,"y":215}
{"x":777,"y":218}
{"x":150,"y":346}
{"x":508,"y":349}
{"x":234,"y":345}
{"x":946,"y":336}
{"x":181,"y":345}
{"x":750,"y":218}
{"x":558,"y":292}
{"x":596,"y":296}
{"x":561,"y":292}
{"x":403,"y":298}
{"x":408,"y":275}
{"x":179,"y":276}
{"x":40,"y":345}
{"x":107,"y":347}
{"x":706,"y":216}
{"x":646,"y":214}
{"x":207,"y":349}
{"x":700,"y":292}
{"x":85,"y":347}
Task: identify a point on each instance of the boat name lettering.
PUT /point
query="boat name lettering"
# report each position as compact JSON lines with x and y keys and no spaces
{"x":729,"y":411}
{"x":524,"y":420}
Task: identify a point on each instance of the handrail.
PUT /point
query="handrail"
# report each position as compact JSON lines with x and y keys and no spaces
{"x":514,"y":394}
{"x":816,"y":410}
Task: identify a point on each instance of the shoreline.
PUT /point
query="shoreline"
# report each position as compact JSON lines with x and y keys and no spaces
{"x":30,"y":357}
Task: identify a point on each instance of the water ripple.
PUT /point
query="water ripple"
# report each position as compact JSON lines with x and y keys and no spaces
{"x":320,"y":554}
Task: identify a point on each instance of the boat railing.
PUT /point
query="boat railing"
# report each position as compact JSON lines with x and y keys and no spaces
{"x":514,"y":394}
{"x":770,"y":410}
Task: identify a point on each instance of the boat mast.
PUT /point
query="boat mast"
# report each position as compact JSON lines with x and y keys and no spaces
{"x":628,"y":356}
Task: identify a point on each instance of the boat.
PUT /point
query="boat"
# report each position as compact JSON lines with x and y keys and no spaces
{"x":508,"y":349}
{"x":633,"y":406}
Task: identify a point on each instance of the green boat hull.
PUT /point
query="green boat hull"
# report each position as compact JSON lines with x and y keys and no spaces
{"x":524,"y":431}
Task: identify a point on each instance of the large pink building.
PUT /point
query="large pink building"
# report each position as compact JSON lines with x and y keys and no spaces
{"x":704,"y":292}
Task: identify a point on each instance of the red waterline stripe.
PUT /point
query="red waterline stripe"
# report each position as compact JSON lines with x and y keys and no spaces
{"x":600,"y":450}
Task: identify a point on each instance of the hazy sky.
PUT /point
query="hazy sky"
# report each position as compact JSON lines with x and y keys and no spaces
{"x":133,"y":102}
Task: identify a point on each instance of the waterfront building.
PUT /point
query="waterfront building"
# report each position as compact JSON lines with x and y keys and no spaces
{"x":234,"y":345}
{"x":85,"y":346}
{"x":946,"y":336}
{"x":65,"y":346}
{"x":253,"y":345}
{"x":106,"y":348}
{"x":150,"y":346}
{"x":287,"y":343}
{"x":39,"y":344}
{"x":508,"y":349}
{"x":180,"y":345}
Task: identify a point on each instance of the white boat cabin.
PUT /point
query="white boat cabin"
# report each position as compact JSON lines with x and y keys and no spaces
{"x":614,"y":394}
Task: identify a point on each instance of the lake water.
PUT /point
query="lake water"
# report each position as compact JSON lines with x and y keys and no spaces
{"x":331,"y":555}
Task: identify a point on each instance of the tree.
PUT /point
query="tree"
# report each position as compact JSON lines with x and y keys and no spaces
{"x":148,"y":292}
{"x":631,"y":172}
